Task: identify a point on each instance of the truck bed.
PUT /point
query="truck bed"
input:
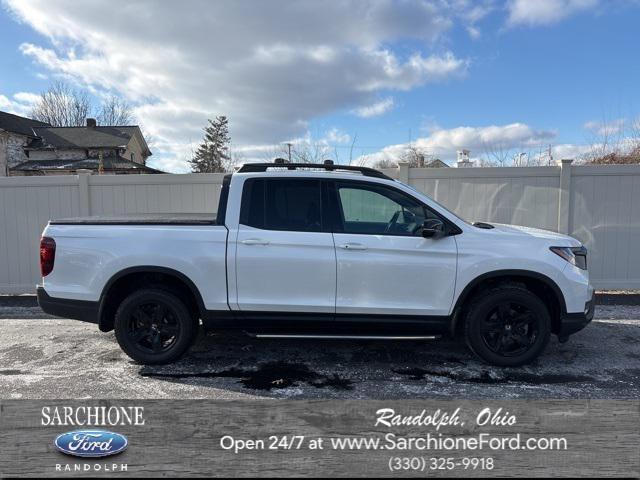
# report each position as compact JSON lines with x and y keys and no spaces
{"x":141,"y":219}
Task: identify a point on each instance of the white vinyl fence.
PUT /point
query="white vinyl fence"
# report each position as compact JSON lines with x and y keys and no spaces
{"x":600,"y":205}
{"x":27,"y":204}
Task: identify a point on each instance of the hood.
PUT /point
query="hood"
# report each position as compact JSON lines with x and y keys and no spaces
{"x":558,"y":238}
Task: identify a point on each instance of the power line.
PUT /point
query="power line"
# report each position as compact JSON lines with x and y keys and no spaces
{"x":317,"y":145}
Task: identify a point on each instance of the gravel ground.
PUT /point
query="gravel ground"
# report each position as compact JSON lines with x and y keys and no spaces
{"x":44,"y":357}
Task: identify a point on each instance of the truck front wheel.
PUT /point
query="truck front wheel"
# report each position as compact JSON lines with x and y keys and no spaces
{"x":154,"y":326}
{"x":507,"y":326}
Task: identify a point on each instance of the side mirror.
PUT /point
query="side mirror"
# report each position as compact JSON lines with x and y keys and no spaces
{"x":432,"y":228}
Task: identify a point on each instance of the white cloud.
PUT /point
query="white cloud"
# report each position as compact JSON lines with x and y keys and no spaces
{"x":375,"y":109}
{"x":571,"y":150}
{"x":606,"y":128}
{"x":545,"y":12}
{"x":474,"y":32}
{"x":19,"y":103}
{"x":336,"y":136}
{"x":270,"y":66}
{"x":443,"y":143}
{"x":471,"y":12}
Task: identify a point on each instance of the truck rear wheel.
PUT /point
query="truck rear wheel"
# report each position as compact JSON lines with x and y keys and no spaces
{"x":507,"y":326}
{"x":154,"y":326}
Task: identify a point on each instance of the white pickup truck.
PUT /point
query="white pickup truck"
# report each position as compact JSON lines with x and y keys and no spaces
{"x":316,"y":251}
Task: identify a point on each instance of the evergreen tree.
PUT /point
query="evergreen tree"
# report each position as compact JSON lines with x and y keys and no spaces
{"x":212,"y":155}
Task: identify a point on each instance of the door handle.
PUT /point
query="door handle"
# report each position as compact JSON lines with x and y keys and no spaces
{"x":353,"y":246}
{"x":255,"y":241}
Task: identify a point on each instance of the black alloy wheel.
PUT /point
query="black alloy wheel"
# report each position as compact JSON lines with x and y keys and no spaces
{"x":510,"y":329}
{"x":507,"y":325}
{"x":154,"y":326}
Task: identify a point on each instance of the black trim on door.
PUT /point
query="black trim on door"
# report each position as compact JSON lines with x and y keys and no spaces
{"x":301,"y":322}
{"x":221,"y":215}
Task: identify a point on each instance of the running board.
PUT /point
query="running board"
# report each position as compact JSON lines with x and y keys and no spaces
{"x":344,"y":337}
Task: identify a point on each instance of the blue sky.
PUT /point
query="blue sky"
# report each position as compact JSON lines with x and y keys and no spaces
{"x":486,"y":75}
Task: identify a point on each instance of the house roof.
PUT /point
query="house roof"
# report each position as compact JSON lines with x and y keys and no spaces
{"x":437,"y":163}
{"x":109,"y":164}
{"x":86,"y":137}
{"x":17,"y":124}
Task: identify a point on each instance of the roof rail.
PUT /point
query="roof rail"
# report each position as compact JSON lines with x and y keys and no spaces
{"x":328,"y":166}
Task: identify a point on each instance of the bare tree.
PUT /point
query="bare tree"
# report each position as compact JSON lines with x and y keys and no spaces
{"x":353,"y":144}
{"x":496,"y":155}
{"x":308,"y":152}
{"x":115,"y":111}
{"x":62,"y":106}
{"x":413,"y":155}
{"x":382,"y":164}
{"x":484,"y":162}
{"x":615,"y":143}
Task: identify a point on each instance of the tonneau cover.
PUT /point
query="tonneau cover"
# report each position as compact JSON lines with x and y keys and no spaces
{"x":142,"y":219}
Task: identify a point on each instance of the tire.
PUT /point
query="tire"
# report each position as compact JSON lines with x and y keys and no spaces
{"x":154,"y":327}
{"x":507,"y":326}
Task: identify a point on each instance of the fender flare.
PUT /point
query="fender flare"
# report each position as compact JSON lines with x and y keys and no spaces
{"x":462,"y":298}
{"x":149,"y":269}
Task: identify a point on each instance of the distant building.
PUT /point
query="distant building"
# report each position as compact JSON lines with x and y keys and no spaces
{"x":16,"y":133}
{"x":437,"y":163}
{"x":29,"y":147}
{"x":463,"y":159}
{"x":424,"y":162}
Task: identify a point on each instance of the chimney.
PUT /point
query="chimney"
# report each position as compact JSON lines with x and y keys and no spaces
{"x":91,"y":122}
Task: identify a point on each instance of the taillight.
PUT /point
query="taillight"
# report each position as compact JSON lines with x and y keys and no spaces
{"x":47,"y":255}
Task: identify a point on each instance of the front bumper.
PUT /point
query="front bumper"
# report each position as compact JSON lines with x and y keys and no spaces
{"x":67,"y":308}
{"x":571,"y":323}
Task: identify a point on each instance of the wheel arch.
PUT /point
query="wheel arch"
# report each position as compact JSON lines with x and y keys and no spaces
{"x":543,"y":286}
{"x":145,"y":275}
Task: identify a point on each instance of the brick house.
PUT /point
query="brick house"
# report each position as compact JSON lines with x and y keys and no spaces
{"x":29,"y":147}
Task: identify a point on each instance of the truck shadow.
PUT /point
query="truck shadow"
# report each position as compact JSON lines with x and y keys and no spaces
{"x":269,"y":365}
{"x":283,"y":368}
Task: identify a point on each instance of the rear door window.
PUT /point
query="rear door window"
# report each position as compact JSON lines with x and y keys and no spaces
{"x":282,"y":204}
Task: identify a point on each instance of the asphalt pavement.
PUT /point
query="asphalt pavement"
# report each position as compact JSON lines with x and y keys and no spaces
{"x":44,"y":357}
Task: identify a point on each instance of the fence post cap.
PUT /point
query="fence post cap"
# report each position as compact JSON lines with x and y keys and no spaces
{"x":567,"y":161}
{"x":84,"y":171}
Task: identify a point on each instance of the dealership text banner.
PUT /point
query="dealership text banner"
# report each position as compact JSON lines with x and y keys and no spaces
{"x":320,"y":438}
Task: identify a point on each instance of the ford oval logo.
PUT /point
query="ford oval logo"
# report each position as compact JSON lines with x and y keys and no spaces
{"x":91,"y":443}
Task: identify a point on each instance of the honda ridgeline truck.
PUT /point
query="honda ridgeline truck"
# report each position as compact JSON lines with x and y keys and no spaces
{"x":316,"y":251}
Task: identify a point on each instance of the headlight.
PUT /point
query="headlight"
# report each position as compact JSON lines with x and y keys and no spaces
{"x":574,"y":255}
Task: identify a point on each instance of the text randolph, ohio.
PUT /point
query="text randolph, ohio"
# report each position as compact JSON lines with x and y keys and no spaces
{"x":438,"y":419}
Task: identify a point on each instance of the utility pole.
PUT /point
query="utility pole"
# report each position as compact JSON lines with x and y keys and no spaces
{"x":289,"y":147}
